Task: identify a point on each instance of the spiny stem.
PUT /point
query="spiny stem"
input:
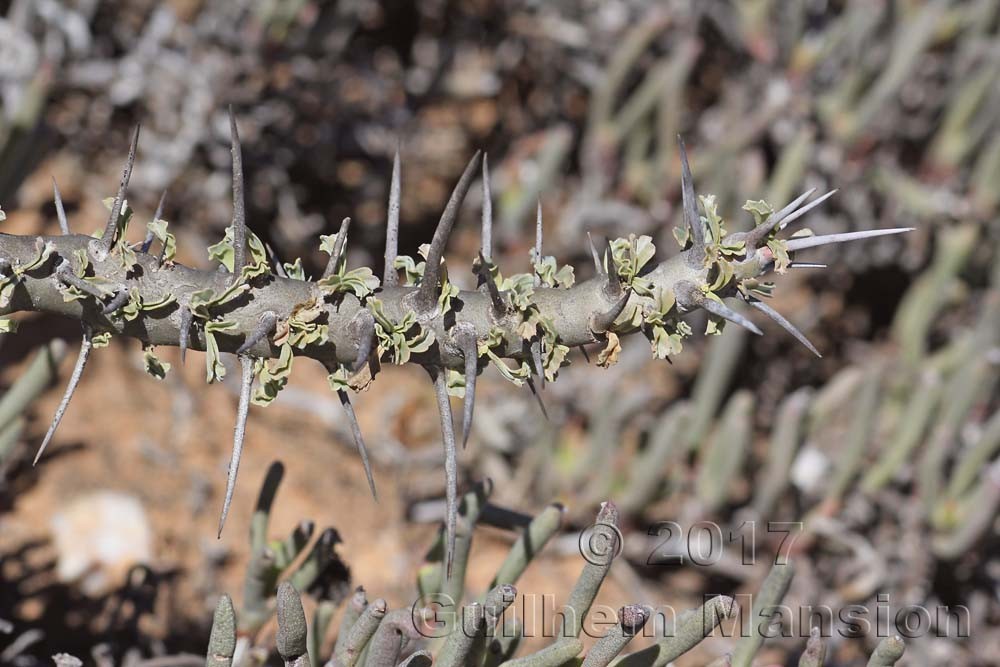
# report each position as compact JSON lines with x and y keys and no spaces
{"x":359,"y":441}
{"x":450,"y":464}
{"x":111,"y":228}
{"x":690,"y":296}
{"x":239,"y":203}
{"x":60,"y":211}
{"x":390,"y":276}
{"x":74,"y":380}
{"x":338,"y":248}
{"x":425,"y":299}
{"x":265,"y":327}
{"x":239,"y":433}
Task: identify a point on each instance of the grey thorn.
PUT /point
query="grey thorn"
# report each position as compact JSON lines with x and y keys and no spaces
{"x":359,"y":441}
{"x":338,"y":248}
{"x":487,"y":225}
{"x":148,"y":241}
{"x":362,"y":328}
{"x":538,"y":242}
{"x":601,"y":322}
{"x":806,"y":265}
{"x":64,"y":274}
{"x":425,"y":299}
{"x":816,"y":241}
{"x":60,"y":210}
{"x":727,"y":313}
{"x":390,"y":277}
{"x":496,"y":298}
{"x":689,"y":201}
{"x":108,"y":239}
{"x":119,"y":300}
{"x":265,"y":327}
{"x":187,"y":319}
{"x":450,"y":465}
{"x":757,"y":234}
{"x":538,"y":398}
{"x":536,"y":361}
{"x":239,"y":202}
{"x":239,"y":433}
{"x":598,"y":264}
{"x":81,"y":362}
{"x":465,"y":336}
{"x":785,"y":324}
{"x":275,"y":262}
{"x":805,"y":209}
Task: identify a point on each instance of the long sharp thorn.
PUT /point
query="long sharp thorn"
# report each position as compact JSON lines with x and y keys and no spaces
{"x":466,"y":339}
{"x":601,"y":322}
{"x":364,"y":328}
{"x":538,"y":398}
{"x":538,"y":242}
{"x":805,"y":209}
{"x":338,"y":248}
{"x":74,"y":380}
{"x":239,"y":432}
{"x":496,"y":299}
{"x":536,"y":360}
{"x":148,"y":241}
{"x":785,"y":324}
{"x":187,"y":319}
{"x":816,"y":241}
{"x":427,"y":294}
{"x":598,"y":264}
{"x":758,"y":233}
{"x":390,"y":276}
{"x":265,"y":327}
{"x":60,"y":210}
{"x":119,"y":300}
{"x":239,"y":203}
{"x":806,"y":265}
{"x":688,"y":199}
{"x":727,"y":313}
{"x":108,"y":239}
{"x":450,"y":466}
{"x":65,"y":275}
{"x":359,"y":441}
{"x":275,"y":262}
{"x":614,"y":283}
{"x":487,"y":228}
{"x":586,"y":356}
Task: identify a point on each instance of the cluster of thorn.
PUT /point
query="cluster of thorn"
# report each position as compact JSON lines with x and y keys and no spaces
{"x":461,"y":327}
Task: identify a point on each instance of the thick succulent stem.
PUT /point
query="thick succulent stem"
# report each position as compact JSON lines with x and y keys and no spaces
{"x":222,"y":640}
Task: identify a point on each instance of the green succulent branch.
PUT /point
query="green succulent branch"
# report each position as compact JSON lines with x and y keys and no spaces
{"x":349,"y":322}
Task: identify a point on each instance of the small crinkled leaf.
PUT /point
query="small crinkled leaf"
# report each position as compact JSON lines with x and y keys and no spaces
{"x":664,"y":343}
{"x":455,"y":381}
{"x":272,"y":376}
{"x":295,"y":270}
{"x":158,"y":369}
{"x":158,"y":228}
{"x":413,"y":271}
{"x":713,"y":221}
{"x":555,"y":358}
{"x":101,"y":339}
{"x":338,"y":380}
{"x":609,"y":355}
{"x":43,"y":250}
{"x":361,"y":282}
{"x":682,"y":235}
{"x":224,"y":253}
{"x":7,"y":325}
{"x":551,"y":275}
{"x":779,"y":249}
{"x":759,"y":209}
{"x":215,"y":370}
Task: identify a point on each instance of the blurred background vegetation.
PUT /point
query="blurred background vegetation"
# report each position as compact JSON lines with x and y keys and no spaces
{"x":886,"y":447}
